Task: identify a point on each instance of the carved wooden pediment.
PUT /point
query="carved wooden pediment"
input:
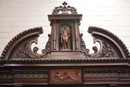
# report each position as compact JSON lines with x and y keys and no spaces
{"x":66,"y":59}
{"x":19,"y":48}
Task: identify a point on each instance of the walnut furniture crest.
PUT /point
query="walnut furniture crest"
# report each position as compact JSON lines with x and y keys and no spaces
{"x":66,"y":60}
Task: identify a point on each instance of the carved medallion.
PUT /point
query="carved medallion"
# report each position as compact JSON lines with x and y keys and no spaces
{"x":65,"y":75}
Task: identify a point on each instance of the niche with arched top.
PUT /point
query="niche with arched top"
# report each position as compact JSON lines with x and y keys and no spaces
{"x":65,"y":37}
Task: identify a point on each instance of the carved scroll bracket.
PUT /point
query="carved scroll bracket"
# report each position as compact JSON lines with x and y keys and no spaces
{"x":20,"y":46}
{"x":110,"y":45}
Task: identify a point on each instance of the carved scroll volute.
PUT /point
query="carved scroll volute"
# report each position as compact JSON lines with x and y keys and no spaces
{"x":20,"y":45}
{"x":105,"y":50}
{"x":110,"y":45}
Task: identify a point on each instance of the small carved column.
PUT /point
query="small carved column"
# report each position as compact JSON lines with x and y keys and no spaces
{"x":73,"y":38}
{"x":77,"y":35}
{"x":54,"y":33}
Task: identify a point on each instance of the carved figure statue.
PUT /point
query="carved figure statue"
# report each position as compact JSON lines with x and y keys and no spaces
{"x":64,"y":38}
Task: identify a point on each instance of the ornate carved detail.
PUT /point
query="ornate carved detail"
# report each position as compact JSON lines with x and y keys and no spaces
{"x":48,"y":44}
{"x":82,"y":43}
{"x":107,"y":75}
{"x":110,"y":45}
{"x":110,"y":41}
{"x":30,"y":75}
{"x":106,"y":50}
{"x":24,"y":51}
{"x":9,"y":47}
{"x":65,"y":75}
{"x":6,"y":75}
{"x":10,"y":75}
{"x":21,"y":65}
{"x":64,"y":9}
{"x":100,"y":74}
{"x":20,"y":46}
{"x":83,"y":46}
{"x":67,"y":61}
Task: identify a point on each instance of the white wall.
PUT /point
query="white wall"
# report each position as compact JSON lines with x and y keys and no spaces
{"x":19,"y":15}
